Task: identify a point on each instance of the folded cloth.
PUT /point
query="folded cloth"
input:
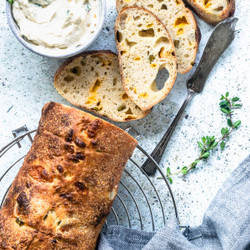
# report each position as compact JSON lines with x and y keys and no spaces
{"x":226,"y":224}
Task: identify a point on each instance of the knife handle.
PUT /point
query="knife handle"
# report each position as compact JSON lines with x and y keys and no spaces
{"x":158,"y":152}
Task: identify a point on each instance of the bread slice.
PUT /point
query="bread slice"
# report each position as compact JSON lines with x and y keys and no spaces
{"x":213,"y":11}
{"x":145,"y":48}
{"x":92,"y":81}
{"x":180,"y":23}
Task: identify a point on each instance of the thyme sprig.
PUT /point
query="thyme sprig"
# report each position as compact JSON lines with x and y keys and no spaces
{"x":207,"y":143}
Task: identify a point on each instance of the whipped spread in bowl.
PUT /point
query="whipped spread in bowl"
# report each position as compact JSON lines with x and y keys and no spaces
{"x":57,"y":24}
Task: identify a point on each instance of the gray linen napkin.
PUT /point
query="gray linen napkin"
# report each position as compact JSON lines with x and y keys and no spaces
{"x":226,"y":224}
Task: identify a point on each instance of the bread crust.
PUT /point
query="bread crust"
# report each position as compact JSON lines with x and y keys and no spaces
{"x":69,"y":179}
{"x":119,"y":56}
{"x":97,"y":53}
{"x":209,"y":17}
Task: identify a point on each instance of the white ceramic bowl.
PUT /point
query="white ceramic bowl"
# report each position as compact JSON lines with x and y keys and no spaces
{"x":55,"y":53}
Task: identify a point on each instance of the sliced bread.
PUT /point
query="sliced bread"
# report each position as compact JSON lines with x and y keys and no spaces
{"x":213,"y":11}
{"x":180,"y":23}
{"x":145,"y":48}
{"x":92,"y":81}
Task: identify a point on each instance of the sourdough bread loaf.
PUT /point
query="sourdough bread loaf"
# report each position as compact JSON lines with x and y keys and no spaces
{"x":92,"y":81}
{"x":213,"y":11}
{"x":67,"y":183}
{"x":145,"y":48}
{"x":180,"y":23}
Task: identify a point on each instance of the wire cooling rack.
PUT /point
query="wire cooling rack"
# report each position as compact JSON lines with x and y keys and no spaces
{"x":142,"y":202}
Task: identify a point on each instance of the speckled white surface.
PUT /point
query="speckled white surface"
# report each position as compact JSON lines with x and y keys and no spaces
{"x":26,"y":84}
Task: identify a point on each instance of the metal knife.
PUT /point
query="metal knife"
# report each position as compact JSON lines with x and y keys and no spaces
{"x":221,"y":37}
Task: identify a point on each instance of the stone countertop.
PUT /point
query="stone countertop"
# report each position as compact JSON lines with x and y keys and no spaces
{"x":26,"y":84}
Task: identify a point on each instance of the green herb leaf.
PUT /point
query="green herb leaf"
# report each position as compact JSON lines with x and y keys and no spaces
{"x":237,"y":124}
{"x":170,"y":180}
{"x":200,"y":145}
{"x":223,"y":110}
{"x":238,"y":105}
{"x":229,"y":122}
{"x":222,"y":145}
{"x":184,"y":170}
{"x":223,"y":131}
{"x":205,"y":155}
{"x":195,"y":162}
{"x":227,"y":94}
{"x":214,"y":144}
{"x":168,"y":171}
{"x":223,"y":103}
{"x":235,"y":99}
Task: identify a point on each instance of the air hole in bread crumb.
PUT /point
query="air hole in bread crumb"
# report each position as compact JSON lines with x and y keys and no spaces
{"x":137,"y":17}
{"x":164,"y":7}
{"x":65,"y":91}
{"x":150,"y":5}
{"x":181,"y":21}
{"x":176,"y":43}
{"x":119,"y":36}
{"x":147,"y":33}
{"x":129,"y":112}
{"x":123,"y":18}
{"x":92,"y":68}
{"x":125,"y":96}
{"x":160,"y":79}
{"x":151,"y":58}
{"x":129,"y":43}
{"x":207,"y":3}
{"x":163,"y":54}
{"x":83,"y":63}
{"x":114,"y":81}
{"x":68,"y":78}
{"x":219,"y":8}
{"x":123,"y":52}
{"x":162,"y":39}
{"x":76,"y":70}
{"x":96,"y":85}
{"x":121,"y":107}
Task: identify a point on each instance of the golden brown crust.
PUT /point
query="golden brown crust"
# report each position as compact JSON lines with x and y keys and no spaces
{"x":210,"y":17}
{"x":119,"y":56}
{"x":97,"y":53}
{"x":65,"y":188}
